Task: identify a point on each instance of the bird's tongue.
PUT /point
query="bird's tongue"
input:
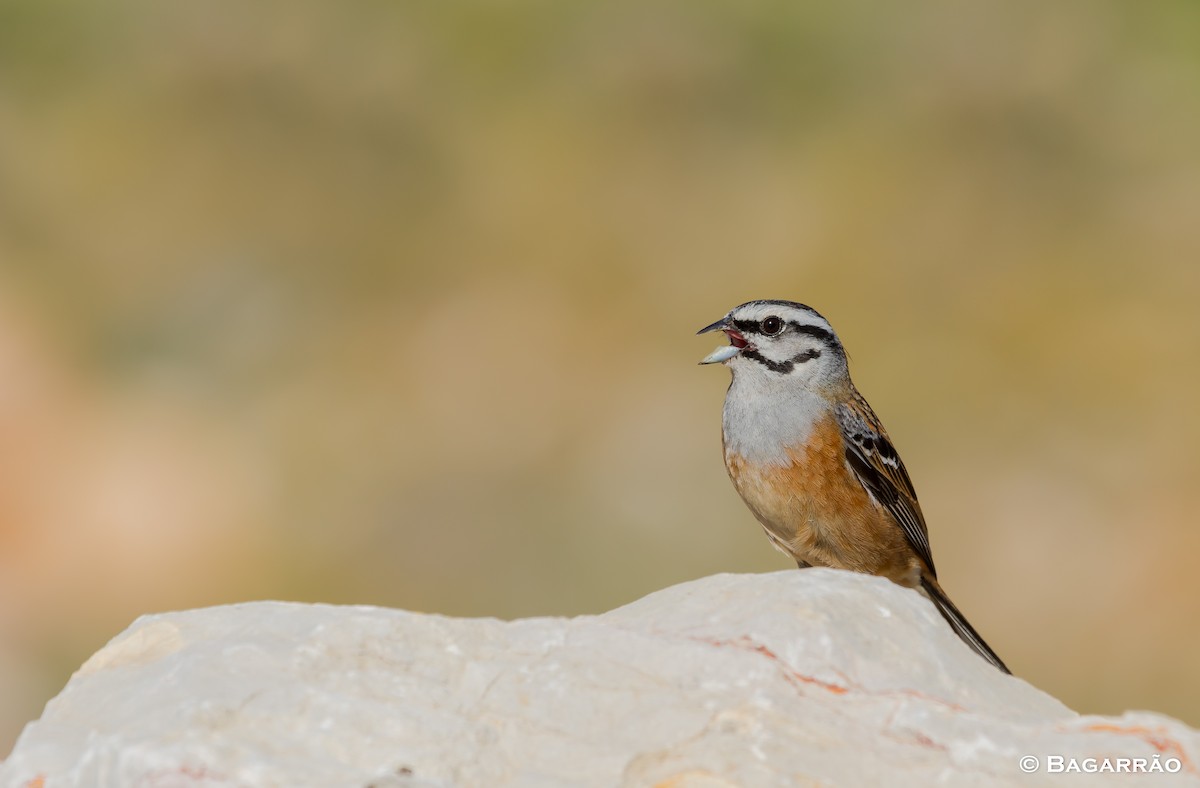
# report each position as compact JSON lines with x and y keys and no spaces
{"x":736,"y":339}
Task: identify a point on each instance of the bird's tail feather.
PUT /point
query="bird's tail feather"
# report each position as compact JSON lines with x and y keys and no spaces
{"x":959,"y":623}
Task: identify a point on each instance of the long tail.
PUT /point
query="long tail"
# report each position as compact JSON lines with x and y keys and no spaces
{"x":959,"y":623}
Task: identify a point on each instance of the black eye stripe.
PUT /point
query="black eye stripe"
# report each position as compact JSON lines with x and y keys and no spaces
{"x":752,"y":327}
{"x":814,"y":331}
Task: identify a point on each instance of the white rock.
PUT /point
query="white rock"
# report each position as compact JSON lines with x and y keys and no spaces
{"x":810,"y":677}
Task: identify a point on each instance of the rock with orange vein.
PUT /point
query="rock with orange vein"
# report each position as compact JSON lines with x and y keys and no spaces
{"x":793,"y":678}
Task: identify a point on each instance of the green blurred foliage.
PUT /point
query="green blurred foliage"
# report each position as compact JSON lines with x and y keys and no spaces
{"x":392,"y":303}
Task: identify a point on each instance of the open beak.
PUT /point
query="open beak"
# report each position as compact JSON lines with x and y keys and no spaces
{"x":736,"y":342}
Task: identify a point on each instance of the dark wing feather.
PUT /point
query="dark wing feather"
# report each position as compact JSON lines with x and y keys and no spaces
{"x":879,"y":469}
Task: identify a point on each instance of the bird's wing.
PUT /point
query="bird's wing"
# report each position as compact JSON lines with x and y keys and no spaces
{"x":879,"y":469}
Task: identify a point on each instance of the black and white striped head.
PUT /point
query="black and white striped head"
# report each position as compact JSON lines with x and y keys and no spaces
{"x":779,"y":340}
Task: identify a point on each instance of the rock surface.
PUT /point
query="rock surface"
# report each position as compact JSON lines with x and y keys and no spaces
{"x":811,"y":677}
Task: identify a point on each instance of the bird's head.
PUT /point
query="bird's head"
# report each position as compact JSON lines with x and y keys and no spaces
{"x":779,"y":342}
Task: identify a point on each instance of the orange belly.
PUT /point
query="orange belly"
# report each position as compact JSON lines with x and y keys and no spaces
{"x":815,"y":510}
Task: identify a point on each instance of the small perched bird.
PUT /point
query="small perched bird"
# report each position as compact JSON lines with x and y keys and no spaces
{"x":811,"y":460}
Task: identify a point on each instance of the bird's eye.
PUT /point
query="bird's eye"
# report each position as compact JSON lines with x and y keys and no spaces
{"x":771,"y":326}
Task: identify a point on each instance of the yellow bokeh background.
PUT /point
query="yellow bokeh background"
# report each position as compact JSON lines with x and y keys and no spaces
{"x":393,"y":303}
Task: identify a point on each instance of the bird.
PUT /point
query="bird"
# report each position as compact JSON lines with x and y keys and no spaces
{"x":812,"y":461}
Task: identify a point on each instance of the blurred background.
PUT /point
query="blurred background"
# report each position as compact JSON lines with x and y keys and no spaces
{"x":394,"y":303}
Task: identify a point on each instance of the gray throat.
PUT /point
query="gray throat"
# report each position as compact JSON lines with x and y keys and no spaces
{"x":761,"y":422}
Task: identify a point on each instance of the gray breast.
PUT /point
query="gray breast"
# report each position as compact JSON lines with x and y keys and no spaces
{"x":761,"y":422}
